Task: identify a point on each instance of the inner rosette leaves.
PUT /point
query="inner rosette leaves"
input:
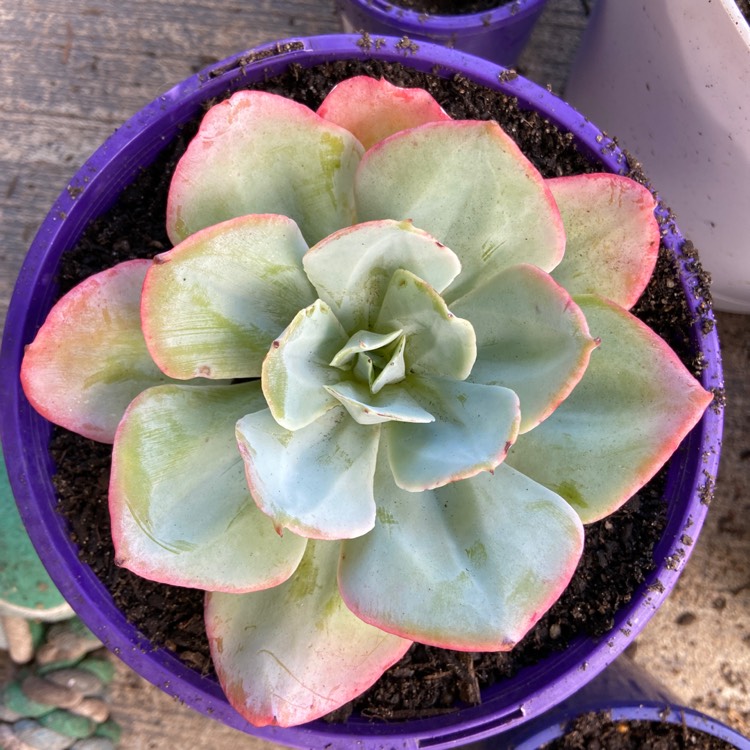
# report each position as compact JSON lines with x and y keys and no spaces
{"x":376,"y":359}
{"x":378,"y":318}
{"x":352,"y":268}
{"x":377,"y":330}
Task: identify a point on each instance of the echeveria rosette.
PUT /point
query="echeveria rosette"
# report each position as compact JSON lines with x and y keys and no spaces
{"x":431,"y":424}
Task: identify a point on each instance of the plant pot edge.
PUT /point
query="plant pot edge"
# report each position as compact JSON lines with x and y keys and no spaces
{"x":18,"y":418}
{"x":498,"y":34}
{"x":628,"y":693}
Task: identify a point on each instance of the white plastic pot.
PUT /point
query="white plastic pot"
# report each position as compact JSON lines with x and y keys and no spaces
{"x":672,"y":79}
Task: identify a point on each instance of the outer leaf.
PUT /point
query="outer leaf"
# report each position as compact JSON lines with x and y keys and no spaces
{"x":468,"y":184}
{"x":89,"y":359}
{"x":297,"y":367}
{"x":531,"y":337}
{"x":625,"y":418}
{"x":295,"y":652}
{"x":474,"y":427}
{"x":181,"y":510}
{"x":351,"y":269}
{"x":499,"y":552}
{"x":374,"y":109}
{"x":261,"y":153}
{"x":316,"y":481}
{"x":612,"y":236}
{"x":437,"y":342}
{"x":213,"y":305}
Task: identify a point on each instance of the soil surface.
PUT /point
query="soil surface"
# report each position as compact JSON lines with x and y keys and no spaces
{"x":451,"y":7}
{"x":744,"y":6}
{"x":618,"y":551}
{"x":597,"y":731}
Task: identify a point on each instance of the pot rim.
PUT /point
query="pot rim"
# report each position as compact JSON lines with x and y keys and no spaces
{"x":421,"y":24}
{"x":627,"y":692}
{"x":25,"y":434}
{"x":650,"y":710}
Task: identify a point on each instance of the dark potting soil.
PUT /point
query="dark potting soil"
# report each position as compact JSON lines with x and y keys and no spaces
{"x":451,"y":7}
{"x":744,"y":6}
{"x":618,"y":550}
{"x":597,"y":731}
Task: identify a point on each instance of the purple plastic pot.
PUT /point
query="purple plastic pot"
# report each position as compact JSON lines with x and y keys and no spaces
{"x":25,"y":434}
{"x":628,"y":693}
{"x":498,"y":35}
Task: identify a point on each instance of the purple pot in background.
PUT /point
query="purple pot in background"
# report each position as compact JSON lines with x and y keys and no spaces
{"x":497,"y":35}
{"x":627,"y":693}
{"x":25,"y":434}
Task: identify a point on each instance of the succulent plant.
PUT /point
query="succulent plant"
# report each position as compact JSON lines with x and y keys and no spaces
{"x":372,"y":394}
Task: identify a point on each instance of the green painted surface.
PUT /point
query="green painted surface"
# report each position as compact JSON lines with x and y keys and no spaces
{"x":26,"y":589}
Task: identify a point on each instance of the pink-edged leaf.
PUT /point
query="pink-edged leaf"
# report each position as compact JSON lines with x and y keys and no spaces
{"x":181,"y":510}
{"x":89,"y":359}
{"x":373,"y":108}
{"x":469,"y":566}
{"x":469,"y":185}
{"x":612,"y":236}
{"x":531,"y":338}
{"x":259,"y":153}
{"x":624,"y":419}
{"x":294,"y":653}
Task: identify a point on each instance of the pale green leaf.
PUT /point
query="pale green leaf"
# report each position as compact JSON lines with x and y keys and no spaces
{"x":351,"y":269}
{"x":213,"y":305}
{"x":294,"y":653}
{"x":297,"y":367}
{"x":315,"y":481}
{"x":437,"y":341}
{"x":620,"y":424}
{"x":470,"y":566}
{"x":181,"y":510}
{"x":474,"y":427}
{"x":259,"y":153}
{"x":364,"y":370}
{"x":393,"y":370}
{"x":367,"y":408}
{"x":363,"y":341}
{"x":531,"y":338}
{"x":468,"y":184}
